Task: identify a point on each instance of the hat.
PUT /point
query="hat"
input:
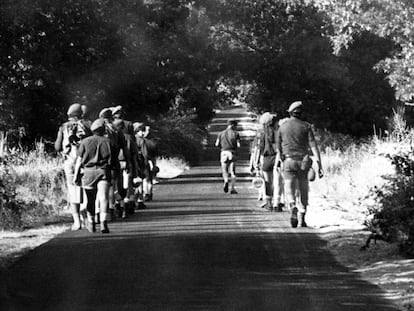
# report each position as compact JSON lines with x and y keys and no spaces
{"x":118,"y":123}
{"x":116,"y":109}
{"x":138,"y":126}
{"x":267,"y":118}
{"x":105,"y":113}
{"x":295,"y":105}
{"x":75,"y":110}
{"x":97,"y":125}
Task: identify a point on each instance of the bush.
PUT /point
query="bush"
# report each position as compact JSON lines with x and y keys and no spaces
{"x":393,"y":214}
{"x":10,"y":212}
{"x":178,"y":136}
{"x":32,"y":187}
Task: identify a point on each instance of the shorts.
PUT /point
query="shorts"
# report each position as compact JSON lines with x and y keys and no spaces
{"x":268,"y":163}
{"x":227,"y":156}
{"x":69,"y":168}
{"x":91,"y":177}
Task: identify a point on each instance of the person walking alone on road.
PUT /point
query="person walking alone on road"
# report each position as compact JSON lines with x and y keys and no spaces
{"x":229,"y":141}
{"x":295,"y":140}
{"x":97,"y":158}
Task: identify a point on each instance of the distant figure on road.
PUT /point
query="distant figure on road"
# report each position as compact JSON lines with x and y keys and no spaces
{"x":295,"y":142}
{"x":97,"y":158}
{"x":67,"y":142}
{"x":229,"y":141}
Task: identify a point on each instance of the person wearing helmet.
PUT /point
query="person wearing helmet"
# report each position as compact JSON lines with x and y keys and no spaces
{"x":68,"y":139}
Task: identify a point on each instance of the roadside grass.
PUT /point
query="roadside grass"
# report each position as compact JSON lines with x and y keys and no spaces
{"x":339,"y":205}
{"x":40,"y":191}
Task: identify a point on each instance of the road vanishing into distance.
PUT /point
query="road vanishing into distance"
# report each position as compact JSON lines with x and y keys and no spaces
{"x":193,"y":248}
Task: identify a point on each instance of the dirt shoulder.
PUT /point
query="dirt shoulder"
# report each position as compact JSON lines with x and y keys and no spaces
{"x":380,"y":264}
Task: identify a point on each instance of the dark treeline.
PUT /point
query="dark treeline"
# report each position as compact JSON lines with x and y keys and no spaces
{"x":190,"y":56}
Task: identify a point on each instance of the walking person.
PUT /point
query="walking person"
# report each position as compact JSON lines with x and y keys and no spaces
{"x":144,"y":169}
{"x":67,"y":142}
{"x":229,"y":141}
{"x":269,"y":164}
{"x":295,"y":144}
{"x":124,"y":197}
{"x":151,"y":153}
{"x":97,"y":158}
{"x":117,"y":139}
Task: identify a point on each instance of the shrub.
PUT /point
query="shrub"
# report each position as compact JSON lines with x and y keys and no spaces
{"x":392,"y":215}
{"x":32,"y":186}
{"x":178,"y":136}
{"x":10,"y":209}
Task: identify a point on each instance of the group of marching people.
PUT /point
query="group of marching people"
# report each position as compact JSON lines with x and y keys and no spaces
{"x":109,"y":164}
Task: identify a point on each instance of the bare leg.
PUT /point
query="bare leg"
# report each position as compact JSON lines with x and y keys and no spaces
{"x":103,"y":198}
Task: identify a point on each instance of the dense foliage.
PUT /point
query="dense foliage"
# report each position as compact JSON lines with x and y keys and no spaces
{"x":149,"y":56}
{"x":393,"y":215}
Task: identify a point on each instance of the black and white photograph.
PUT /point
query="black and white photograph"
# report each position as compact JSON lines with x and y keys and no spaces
{"x":203,"y":155}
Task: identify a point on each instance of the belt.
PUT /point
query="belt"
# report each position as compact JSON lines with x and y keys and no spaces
{"x":294,"y":157}
{"x":95,"y":167}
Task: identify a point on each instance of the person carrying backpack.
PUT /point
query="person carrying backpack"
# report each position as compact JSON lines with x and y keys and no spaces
{"x":269,"y":165}
{"x":68,"y":139}
{"x":118,"y":142}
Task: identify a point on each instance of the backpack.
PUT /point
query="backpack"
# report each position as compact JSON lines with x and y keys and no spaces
{"x":73,"y":132}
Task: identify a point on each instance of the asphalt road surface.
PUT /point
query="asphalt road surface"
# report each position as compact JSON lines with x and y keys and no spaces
{"x":193,"y":248}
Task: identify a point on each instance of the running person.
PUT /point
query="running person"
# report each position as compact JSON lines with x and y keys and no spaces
{"x":295,"y":140}
{"x":229,"y":141}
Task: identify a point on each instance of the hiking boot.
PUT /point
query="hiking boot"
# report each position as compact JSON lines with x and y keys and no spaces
{"x":294,"y":217}
{"x":104,"y":227}
{"x":226,"y":187}
{"x":118,"y":209}
{"x":130,"y":207}
{"x":147,"y":197}
{"x":90,"y":226}
{"x":233,"y":191}
{"x":302,"y":222}
{"x":141,"y":205}
{"x":279,"y":207}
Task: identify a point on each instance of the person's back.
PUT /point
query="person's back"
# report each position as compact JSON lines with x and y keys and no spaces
{"x":295,"y":136}
{"x":228,"y":139}
{"x":98,"y":152}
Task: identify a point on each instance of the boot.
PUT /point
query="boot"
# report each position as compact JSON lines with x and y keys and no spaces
{"x":104,"y":227}
{"x":269,"y":205}
{"x":293,"y":215}
{"x":302,"y":220}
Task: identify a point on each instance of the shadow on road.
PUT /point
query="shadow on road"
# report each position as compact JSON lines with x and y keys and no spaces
{"x":189,"y":264}
{"x":194,"y":248}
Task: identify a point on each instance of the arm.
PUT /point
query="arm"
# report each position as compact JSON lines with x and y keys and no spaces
{"x":59,"y":140}
{"x":315,"y":150}
{"x":217,"y":144}
{"x":77,"y":176}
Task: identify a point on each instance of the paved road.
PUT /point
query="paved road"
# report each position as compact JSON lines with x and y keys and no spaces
{"x":194,"y":248}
